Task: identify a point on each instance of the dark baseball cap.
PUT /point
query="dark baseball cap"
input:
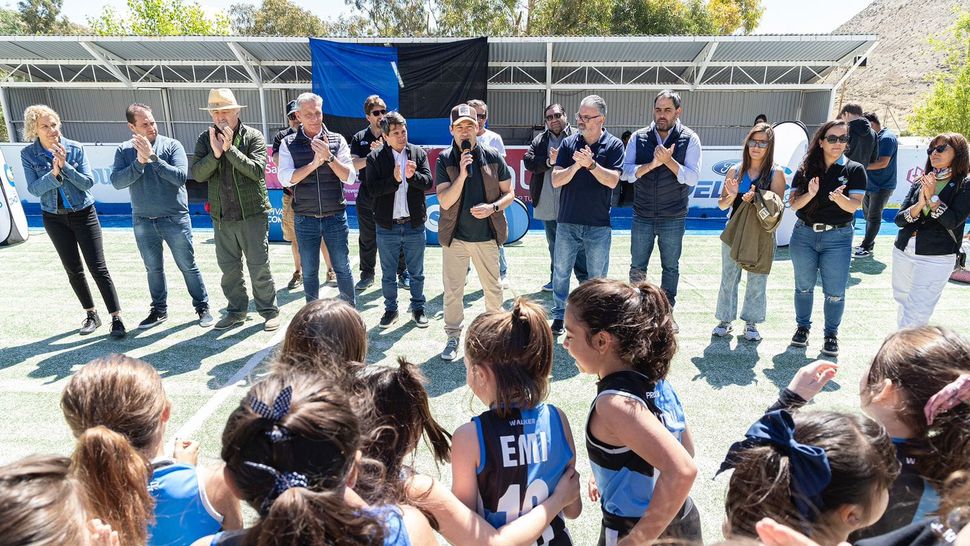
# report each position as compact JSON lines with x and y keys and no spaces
{"x":463,"y":111}
{"x":291,"y":107}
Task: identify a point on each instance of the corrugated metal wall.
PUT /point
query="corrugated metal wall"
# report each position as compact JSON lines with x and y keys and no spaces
{"x":721,"y":118}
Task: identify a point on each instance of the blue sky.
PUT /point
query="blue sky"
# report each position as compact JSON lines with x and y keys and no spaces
{"x":781,"y":16}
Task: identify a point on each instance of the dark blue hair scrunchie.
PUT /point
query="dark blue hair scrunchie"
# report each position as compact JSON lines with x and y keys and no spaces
{"x":810,"y":470}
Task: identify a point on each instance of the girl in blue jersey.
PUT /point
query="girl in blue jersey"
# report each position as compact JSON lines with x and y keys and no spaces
{"x":117,"y":409}
{"x":511,"y":457}
{"x":640,"y":448}
{"x":292,"y":451}
{"x":403,"y":417}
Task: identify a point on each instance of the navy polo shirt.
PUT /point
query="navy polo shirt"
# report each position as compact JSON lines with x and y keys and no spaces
{"x":885,"y":179}
{"x":584,"y":200}
{"x":821,"y":209}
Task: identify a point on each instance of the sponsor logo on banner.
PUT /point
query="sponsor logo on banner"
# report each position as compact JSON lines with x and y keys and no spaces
{"x":434,"y":213}
{"x":722,"y":167}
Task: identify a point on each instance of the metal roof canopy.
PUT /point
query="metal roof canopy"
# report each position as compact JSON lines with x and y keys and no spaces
{"x":695,"y":63}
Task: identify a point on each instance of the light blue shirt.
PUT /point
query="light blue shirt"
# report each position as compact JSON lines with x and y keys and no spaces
{"x":688,"y":173}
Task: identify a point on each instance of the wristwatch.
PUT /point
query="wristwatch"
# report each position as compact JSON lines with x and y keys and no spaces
{"x":153,"y":158}
{"x":494,"y":207}
{"x":329,"y":160}
{"x":935,"y":199}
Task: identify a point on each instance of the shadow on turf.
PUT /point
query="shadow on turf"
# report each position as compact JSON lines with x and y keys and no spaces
{"x":787,"y":364}
{"x":82,"y":350}
{"x":722,"y":366}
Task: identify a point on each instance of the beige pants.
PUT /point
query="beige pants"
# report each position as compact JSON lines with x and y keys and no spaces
{"x":484,"y":257}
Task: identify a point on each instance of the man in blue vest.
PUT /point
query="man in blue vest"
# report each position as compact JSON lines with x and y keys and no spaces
{"x":664,"y":159}
{"x":588,"y":167}
{"x":316,"y":163}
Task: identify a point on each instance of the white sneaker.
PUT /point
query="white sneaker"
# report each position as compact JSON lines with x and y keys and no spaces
{"x":451,"y":350}
{"x":723,"y":329}
{"x":751,"y":332}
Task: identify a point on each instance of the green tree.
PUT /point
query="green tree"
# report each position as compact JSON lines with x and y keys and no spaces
{"x":946,"y":109}
{"x":643,"y":17}
{"x":10,"y":23}
{"x":160,"y":18}
{"x":275,"y":18}
{"x":477,"y":17}
{"x":403,"y":18}
{"x":40,"y":16}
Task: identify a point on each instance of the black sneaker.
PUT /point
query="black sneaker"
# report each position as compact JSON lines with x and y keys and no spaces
{"x":118,"y":328}
{"x":364,"y":283}
{"x":420,"y":319}
{"x":90,"y":324}
{"x":558,"y":327}
{"x":800,"y":339}
{"x":389,"y":318}
{"x":154,"y":317}
{"x":831,"y":346}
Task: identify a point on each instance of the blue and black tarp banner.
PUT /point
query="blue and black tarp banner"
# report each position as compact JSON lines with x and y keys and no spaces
{"x":421,"y":81}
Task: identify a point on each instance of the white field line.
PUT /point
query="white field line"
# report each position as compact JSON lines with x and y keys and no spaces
{"x":192,"y":426}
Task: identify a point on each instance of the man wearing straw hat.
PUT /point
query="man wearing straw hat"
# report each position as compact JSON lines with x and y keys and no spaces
{"x":231,"y":157}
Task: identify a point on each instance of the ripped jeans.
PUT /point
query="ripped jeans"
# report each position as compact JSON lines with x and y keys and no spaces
{"x":826,"y":254}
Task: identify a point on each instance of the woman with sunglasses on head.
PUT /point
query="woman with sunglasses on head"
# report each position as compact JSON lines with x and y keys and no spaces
{"x":931,"y":221}
{"x":756,"y":173}
{"x":827,"y":189}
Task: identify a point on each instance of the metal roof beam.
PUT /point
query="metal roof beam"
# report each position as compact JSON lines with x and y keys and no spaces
{"x":245,"y":59}
{"x":106,"y":60}
{"x":659,"y":86}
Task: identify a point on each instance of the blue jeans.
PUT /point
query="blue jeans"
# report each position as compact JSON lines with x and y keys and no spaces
{"x":594,"y":241}
{"x":579,"y":268}
{"x":176,"y":232}
{"x":390,"y":243}
{"x":727,"y":297}
{"x":827,"y":254}
{"x":503,"y":266}
{"x":333,"y":230}
{"x":669,"y":233}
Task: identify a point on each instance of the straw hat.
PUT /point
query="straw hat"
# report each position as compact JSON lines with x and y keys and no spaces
{"x":222,"y":99}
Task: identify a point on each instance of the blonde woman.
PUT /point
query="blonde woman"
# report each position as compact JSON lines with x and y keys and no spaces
{"x":59,"y":174}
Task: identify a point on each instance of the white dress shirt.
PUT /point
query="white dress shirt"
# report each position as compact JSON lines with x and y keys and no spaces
{"x":401,"y":195}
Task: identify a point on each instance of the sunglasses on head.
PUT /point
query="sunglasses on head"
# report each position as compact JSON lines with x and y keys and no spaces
{"x":292,"y":116}
{"x":832,"y":139}
{"x":556,"y":115}
{"x":763,"y":144}
{"x":938,"y":149}
{"x":378,"y":112}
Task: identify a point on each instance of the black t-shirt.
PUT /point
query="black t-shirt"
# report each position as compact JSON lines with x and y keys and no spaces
{"x":469,"y":228}
{"x":277,"y":140}
{"x":360,"y":147}
{"x":821,"y":209}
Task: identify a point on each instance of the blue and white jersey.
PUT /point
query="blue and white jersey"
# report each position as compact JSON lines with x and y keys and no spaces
{"x":183,"y":513}
{"x":624,"y":479}
{"x":522,"y":457}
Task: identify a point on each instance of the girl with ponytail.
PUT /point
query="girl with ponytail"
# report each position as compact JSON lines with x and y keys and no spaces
{"x":41,"y":504}
{"x":511,"y":457}
{"x":640,"y":448}
{"x":292,"y":451}
{"x":402,"y":415}
{"x":117,"y":409}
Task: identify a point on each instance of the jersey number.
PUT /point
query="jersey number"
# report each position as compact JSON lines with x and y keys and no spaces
{"x":537,"y":492}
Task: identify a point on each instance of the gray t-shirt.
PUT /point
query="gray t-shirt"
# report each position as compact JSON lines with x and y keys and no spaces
{"x":548,"y":208}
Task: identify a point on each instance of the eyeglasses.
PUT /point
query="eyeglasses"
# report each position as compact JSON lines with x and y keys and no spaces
{"x":292,"y":116}
{"x":551,"y":117}
{"x":763,"y":144}
{"x":587,"y":119}
{"x":482,"y":116}
{"x":938,"y":149}
{"x":832,"y":139}
{"x":378,"y":112}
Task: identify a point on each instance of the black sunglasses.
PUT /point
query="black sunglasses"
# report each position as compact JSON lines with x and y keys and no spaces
{"x":292,"y":116}
{"x":551,"y":117}
{"x":763,"y":144}
{"x":378,"y":112}
{"x":832,"y":139}
{"x":938,"y":149}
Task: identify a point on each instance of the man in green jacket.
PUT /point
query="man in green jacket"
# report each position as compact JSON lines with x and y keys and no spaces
{"x":231,"y":158}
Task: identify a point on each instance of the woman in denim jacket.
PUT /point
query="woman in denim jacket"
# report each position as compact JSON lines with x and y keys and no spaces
{"x":58,"y":173}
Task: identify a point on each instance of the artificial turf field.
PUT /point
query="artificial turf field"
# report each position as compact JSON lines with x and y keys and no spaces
{"x":724,"y":383}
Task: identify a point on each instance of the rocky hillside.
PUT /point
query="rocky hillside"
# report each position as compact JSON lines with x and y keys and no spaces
{"x":896,"y":75}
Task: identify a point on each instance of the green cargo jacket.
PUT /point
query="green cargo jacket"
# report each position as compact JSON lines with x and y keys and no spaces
{"x":247,"y":159}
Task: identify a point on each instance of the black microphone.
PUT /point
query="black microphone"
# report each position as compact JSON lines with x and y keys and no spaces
{"x":466,"y":146}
